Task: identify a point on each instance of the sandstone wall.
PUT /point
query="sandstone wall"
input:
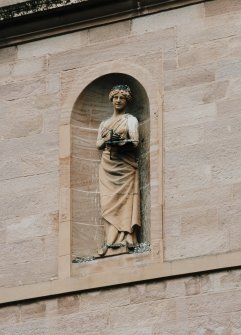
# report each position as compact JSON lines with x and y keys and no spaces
{"x":208,"y":304}
{"x":199,"y":50}
{"x":29,"y":171}
{"x":201,"y":131}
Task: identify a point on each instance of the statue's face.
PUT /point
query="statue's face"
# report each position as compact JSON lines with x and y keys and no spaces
{"x":119,"y":101}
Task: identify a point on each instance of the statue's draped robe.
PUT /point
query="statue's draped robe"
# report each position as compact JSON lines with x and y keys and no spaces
{"x":118,"y":174}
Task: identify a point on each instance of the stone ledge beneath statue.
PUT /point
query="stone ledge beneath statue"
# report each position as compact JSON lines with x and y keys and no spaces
{"x":115,"y":250}
{"x":122,"y":275}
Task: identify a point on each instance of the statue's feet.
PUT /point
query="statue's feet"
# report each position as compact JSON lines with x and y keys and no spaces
{"x":130,"y":246}
{"x":129,"y":241}
{"x":102,"y":251}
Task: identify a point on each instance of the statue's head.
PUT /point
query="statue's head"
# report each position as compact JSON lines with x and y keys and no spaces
{"x":123,"y":89}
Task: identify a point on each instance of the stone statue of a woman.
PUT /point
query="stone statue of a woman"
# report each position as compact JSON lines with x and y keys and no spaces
{"x":118,"y":174}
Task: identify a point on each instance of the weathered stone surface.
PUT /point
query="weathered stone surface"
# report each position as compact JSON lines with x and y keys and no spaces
{"x":179,"y":78}
{"x":207,"y":41}
{"x":192,"y":286}
{"x":186,"y":135}
{"x":188,"y":198}
{"x":28,"y":156}
{"x":88,"y":236}
{"x":8,"y":54}
{"x":52,"y":45}
{"x":109,"y":50}
{"x":19,"y":274}
{"x":109,"y":32}
{"x":29,"y":124}
{"x":105,"y":298}
{"x":47,"y":102}
{"x":176,"y":17}
{"x":37,"y":114}
{"x":204,"y":305}
{"x":210,"y":325}
{"x":85,"y":174}
{"x":199,"y":221}
{"x":86,"y":207}
{"x":23,"y":251}
{"x":234,"y":89}
{"x":218,"y":51}
{"x":202,"y":53}
{"x":5,"y":72}
{"x":10,"y":315}
{"x":84,"y":143}
{"x":143,"y":313}
{"x":51,"y":120}
{"x":19,"y":229}
{"x":33,"y":67}
{"x":235,"y":322}
{"x":190,"y":117}
{"x":205,"y":312}
{"x":68,"y":305}
{"x":190,"y":97}
{"x":228,"y":69}
{"x":223,"y":7}
{"x":189,"y":246}
{"x":28,"y":195}
{"x":209,"y":29}
{"x":33,"y":311}
{"x":81,"y":323}
{"x":54,"y":83}
{"x":35,"y":327}
{"x":17,"y":90}
{"x":151,"y":291}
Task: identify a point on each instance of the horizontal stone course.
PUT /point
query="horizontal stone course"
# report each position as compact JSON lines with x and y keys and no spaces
{"x":187,"y":246}
{"x":174,"y":18}
{"x":28,"y":156}
{"x":173,"y":306}
{"x":25,"y":273}
{"x":110,"y":50}
{"x":110,"y":31}
{"x":17,"y":90}
{"x":38,"y":193}
{"x":209,"y":30}
{"x":28,"y":227}
{"x":194,"y":96}
{"x":179,"y":78}
{"x":51,"y":45}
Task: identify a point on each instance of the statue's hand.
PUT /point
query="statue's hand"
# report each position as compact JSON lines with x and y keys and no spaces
{"x":115,"y":137}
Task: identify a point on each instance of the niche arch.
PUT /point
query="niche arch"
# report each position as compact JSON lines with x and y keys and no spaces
{"x":91,"y":107}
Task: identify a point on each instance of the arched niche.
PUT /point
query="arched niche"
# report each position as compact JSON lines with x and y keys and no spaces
{"x":92,"y":107}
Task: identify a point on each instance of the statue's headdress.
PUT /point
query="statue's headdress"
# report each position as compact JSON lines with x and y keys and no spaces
{"x":123,"y":89}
